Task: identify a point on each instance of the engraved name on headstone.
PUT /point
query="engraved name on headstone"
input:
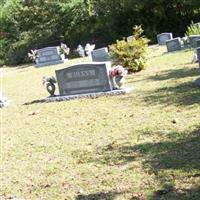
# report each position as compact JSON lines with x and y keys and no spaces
{"x":49,"y":56}
{"x":85,"y":78}
{"x":100,"y":55}
{"x":174,"y":44}
{"x":163,"y":37}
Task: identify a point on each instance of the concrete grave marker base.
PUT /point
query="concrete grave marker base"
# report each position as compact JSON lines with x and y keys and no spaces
{"x":89,"y":95}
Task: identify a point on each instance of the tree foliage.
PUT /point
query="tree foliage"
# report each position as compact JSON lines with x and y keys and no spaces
{"x":29,"y":24}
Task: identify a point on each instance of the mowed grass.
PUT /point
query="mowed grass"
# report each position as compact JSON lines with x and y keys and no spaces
{"x":144,"y":145}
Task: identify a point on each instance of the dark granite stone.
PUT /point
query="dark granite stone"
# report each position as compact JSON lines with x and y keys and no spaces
{"x":100,"y":55}
{"x":85,"y":78}
{"x":163,"y":37}
{"x":174,"y":44}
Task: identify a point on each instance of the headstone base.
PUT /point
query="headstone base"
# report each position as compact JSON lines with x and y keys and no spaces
{"x":89,"y":95}
{"x":50,"y":63}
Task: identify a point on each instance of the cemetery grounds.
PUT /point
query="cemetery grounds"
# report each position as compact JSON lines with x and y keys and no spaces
{"x":142,"y":145}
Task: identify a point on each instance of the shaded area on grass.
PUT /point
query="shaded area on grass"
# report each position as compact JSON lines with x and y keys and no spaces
{"x":181,"y":154}
{"x":109,"y":196}
{"x":98,"y":196}
{"x":170,"y":161}
{"x":175,"y":74}
{"x":184,"y":94}
{"x":176,"y":194}
{"x":35,"y":102}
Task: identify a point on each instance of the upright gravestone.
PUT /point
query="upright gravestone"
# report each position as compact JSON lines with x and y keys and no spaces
{"x":130,"y":38}
{"x":174,"y":44}
{"x":163,"y":37}
{"x":198,"y":43}
{"x":100,"y":55}
{"x":193,"y":40}
{"x":197,"y":24}
{"x":84,"y":79}
{"x":48,"y":56}
{"x":198,"y":55}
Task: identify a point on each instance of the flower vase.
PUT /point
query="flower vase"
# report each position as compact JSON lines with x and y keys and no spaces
{"x":62,"y":56}
{"x":119,"y":80}
{"x":36,"y":60}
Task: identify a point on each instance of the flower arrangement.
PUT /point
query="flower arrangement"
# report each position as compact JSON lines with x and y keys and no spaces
{"x":33,"y":55}
{"x":64,"y":49}
{"x":119,"y":73}
{"x":118,"y":70}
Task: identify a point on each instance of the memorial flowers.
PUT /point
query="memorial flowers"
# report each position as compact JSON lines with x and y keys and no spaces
{"x":118,"y":70}
{"x":119,"y":73}
{"x":33,"y":55}
{"x":64,"y":49}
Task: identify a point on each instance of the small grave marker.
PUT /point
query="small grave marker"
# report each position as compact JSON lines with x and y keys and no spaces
{"x":48,"y":56}
{"x":100,"y":55}
{"x":174,"y":44}
{"x":163,"y":37}
{"x":193,"y":40}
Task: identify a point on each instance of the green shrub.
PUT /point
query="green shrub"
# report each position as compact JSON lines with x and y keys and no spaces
{"x":193,"y":29}
{"x":17,"y":53}
{"x":132,"y":53}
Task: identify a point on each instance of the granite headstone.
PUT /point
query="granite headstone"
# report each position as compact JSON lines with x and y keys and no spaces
{"x":130,"y":38}
{"x":198,"y":43}
{"x":100,"y":55}
{"x":198,"y":55}
{"x":85,"y":78}
{"x":163,"y":37}
{"x":48,"y":56}
{"x":174,"y":44}
{"x":193,"y":40}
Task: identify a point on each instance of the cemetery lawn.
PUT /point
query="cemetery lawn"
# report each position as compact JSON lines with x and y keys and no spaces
{"x":141,"y":146}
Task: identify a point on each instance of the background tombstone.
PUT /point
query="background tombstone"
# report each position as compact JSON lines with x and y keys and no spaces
{"x":100,"y":55}
{"x":197,"y":24}
{"x":193,"y":40}
{"x":198,"y":43}
{"x":163,"y":37}
{"x":174,"y":44}
{"x":48,"y":56}
{"x":85,"y":78}
{"x":198,"y":55}
{"x":80,"y":50}
{"x":130,"y":38}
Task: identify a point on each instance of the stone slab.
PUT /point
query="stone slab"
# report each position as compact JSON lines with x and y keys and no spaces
{"x":89,"y":95}
{"x":174,"y":44}
{"x":100,"y":55}
{"x":130,"y":38}
{"x":198,"y":53}
{"x":163,"y":37}
{"x":198,"y":43}
{"x":193,"y":40}
{"x":48,"y":56}
{"x":85,"y":78}
{"x":197,"y":82}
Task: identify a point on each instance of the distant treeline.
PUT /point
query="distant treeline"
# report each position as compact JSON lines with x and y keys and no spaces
{"x":27,"y":24}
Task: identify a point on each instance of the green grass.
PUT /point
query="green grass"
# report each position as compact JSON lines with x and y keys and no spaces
{"x":143,"y":145}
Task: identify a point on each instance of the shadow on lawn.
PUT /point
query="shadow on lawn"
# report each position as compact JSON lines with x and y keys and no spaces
{"x":108,"y":196}
{"x":98,"y":196}
{"x":175,"y":74}
{"x":182,"y":95}
{"x":164,"y":159}
{"x":174,"y":194}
